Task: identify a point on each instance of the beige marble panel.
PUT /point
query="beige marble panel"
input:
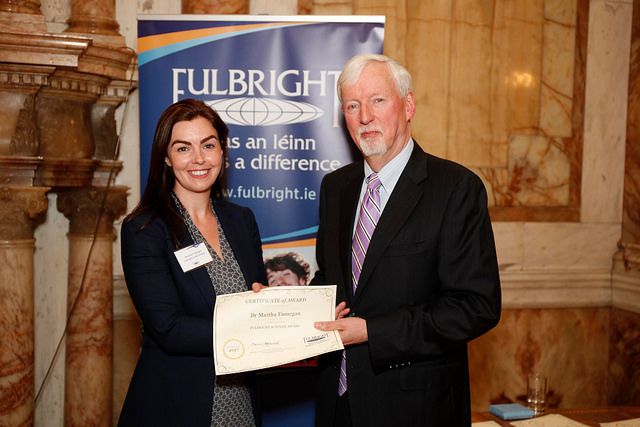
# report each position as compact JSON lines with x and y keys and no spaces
{"x":509,"y":245}
{"x":546,"y":288}
{"x":558,"y":59}
{"x":605,"y":111}
{"x":470,"y":85}
{"x":487,"y":72}
{"x":517,"y":42}
{"x":569,"y":245}
{"x":395,"y":27}
{"x":568,"y":345}
{"x":495,"y":87}
{"x":538,"y":172}
{"x":430,"y":22}
{"x":521,"y":42}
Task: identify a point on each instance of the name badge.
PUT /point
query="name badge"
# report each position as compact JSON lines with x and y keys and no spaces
{"x":193,"y":256}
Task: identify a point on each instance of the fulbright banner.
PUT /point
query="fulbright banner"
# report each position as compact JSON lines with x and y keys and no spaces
{"x":273,"y":81}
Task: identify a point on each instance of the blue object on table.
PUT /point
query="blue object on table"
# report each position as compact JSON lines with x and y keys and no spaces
{"x":511,"y":411}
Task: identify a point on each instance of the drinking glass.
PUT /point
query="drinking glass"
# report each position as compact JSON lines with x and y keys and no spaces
{"x":536,"y":392}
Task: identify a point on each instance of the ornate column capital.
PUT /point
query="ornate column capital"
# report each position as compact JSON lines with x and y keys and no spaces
{"x":21,"y":210}
{"x":103,"y":119}
{"x":86,"y":207}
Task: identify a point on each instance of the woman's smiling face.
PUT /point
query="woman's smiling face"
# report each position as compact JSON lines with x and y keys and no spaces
{"x":195,"y":155}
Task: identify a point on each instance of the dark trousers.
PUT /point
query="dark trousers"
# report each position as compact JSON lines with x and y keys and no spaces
{"x":343,"y":414}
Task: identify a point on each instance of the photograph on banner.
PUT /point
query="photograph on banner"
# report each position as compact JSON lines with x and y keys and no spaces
{"x":289,"y":266}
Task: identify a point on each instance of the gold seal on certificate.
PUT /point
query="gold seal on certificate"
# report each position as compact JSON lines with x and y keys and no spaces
{"x":272,"y":327}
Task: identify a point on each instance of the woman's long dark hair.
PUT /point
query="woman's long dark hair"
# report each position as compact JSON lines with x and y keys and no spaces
{"x":156,"y":199}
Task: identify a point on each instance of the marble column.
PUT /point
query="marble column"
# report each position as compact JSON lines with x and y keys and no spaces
{"x":89,"y":345}
{"x":93,"y":17}
{"x":215,"y":6}
{"x":20,"y":212}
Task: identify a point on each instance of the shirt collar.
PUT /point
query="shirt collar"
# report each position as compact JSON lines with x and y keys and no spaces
{"x":390,"y":173}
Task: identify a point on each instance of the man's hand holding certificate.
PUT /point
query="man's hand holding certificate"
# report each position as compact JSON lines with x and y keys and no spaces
{"x":256,"y":330}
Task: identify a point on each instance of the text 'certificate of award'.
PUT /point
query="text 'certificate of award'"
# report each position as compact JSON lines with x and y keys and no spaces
{"x":272,"y":327}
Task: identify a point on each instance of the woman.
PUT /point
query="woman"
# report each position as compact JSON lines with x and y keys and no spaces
{"x":174,"y":383}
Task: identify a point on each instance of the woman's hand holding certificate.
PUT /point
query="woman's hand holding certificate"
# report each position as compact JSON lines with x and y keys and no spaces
{"x":256,"y":330}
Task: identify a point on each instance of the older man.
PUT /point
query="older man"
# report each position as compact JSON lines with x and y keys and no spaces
{"x":408,"y":240}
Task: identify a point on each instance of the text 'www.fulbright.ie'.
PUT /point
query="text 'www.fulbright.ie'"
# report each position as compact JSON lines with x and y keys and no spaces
{"x":277,"y":194}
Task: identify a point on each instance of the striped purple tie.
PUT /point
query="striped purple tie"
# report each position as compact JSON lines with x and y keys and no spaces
{"x":367,"y":220}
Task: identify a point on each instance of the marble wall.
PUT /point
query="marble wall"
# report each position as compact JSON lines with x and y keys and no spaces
{"x":500,"y":88}
{"x":591,"y":357}
{"x":624,"y":358}
{"x":631,"y":218}
{"x":624,"y":366}
{"x":533,"y":96}
{"x":570,"y":346}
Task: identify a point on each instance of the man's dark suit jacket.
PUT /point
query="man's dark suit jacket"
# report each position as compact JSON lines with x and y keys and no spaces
{"x":429,"y":284}
{"x":173,"y":381}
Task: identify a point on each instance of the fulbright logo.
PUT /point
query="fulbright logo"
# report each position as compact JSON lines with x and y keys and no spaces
{"x":246,"y":111}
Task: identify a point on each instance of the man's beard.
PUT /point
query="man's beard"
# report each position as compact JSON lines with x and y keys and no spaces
{"x":371,"y":147}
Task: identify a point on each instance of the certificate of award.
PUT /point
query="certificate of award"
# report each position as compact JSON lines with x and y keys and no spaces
{"x":272,"y":327}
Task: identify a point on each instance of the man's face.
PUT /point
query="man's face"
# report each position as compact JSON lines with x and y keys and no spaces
{"x":376,"y":116}
{"x":284,"y":277}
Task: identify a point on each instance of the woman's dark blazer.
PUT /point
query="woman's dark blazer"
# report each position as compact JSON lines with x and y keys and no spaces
{"x":173,"y":381}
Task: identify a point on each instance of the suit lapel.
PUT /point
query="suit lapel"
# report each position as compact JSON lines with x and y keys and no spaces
{"x":400,"y":205}
{"x":349,"y":202}
{"x":232,"y":233}
{"x":200,"y":276}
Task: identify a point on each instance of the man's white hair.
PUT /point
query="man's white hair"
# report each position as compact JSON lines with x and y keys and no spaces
{"x":353,"y":69}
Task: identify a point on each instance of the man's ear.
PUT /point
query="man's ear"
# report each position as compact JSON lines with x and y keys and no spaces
{"x":410,"y":106}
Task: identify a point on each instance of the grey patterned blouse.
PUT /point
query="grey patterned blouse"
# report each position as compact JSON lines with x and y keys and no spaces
{"x":231,"y":398}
